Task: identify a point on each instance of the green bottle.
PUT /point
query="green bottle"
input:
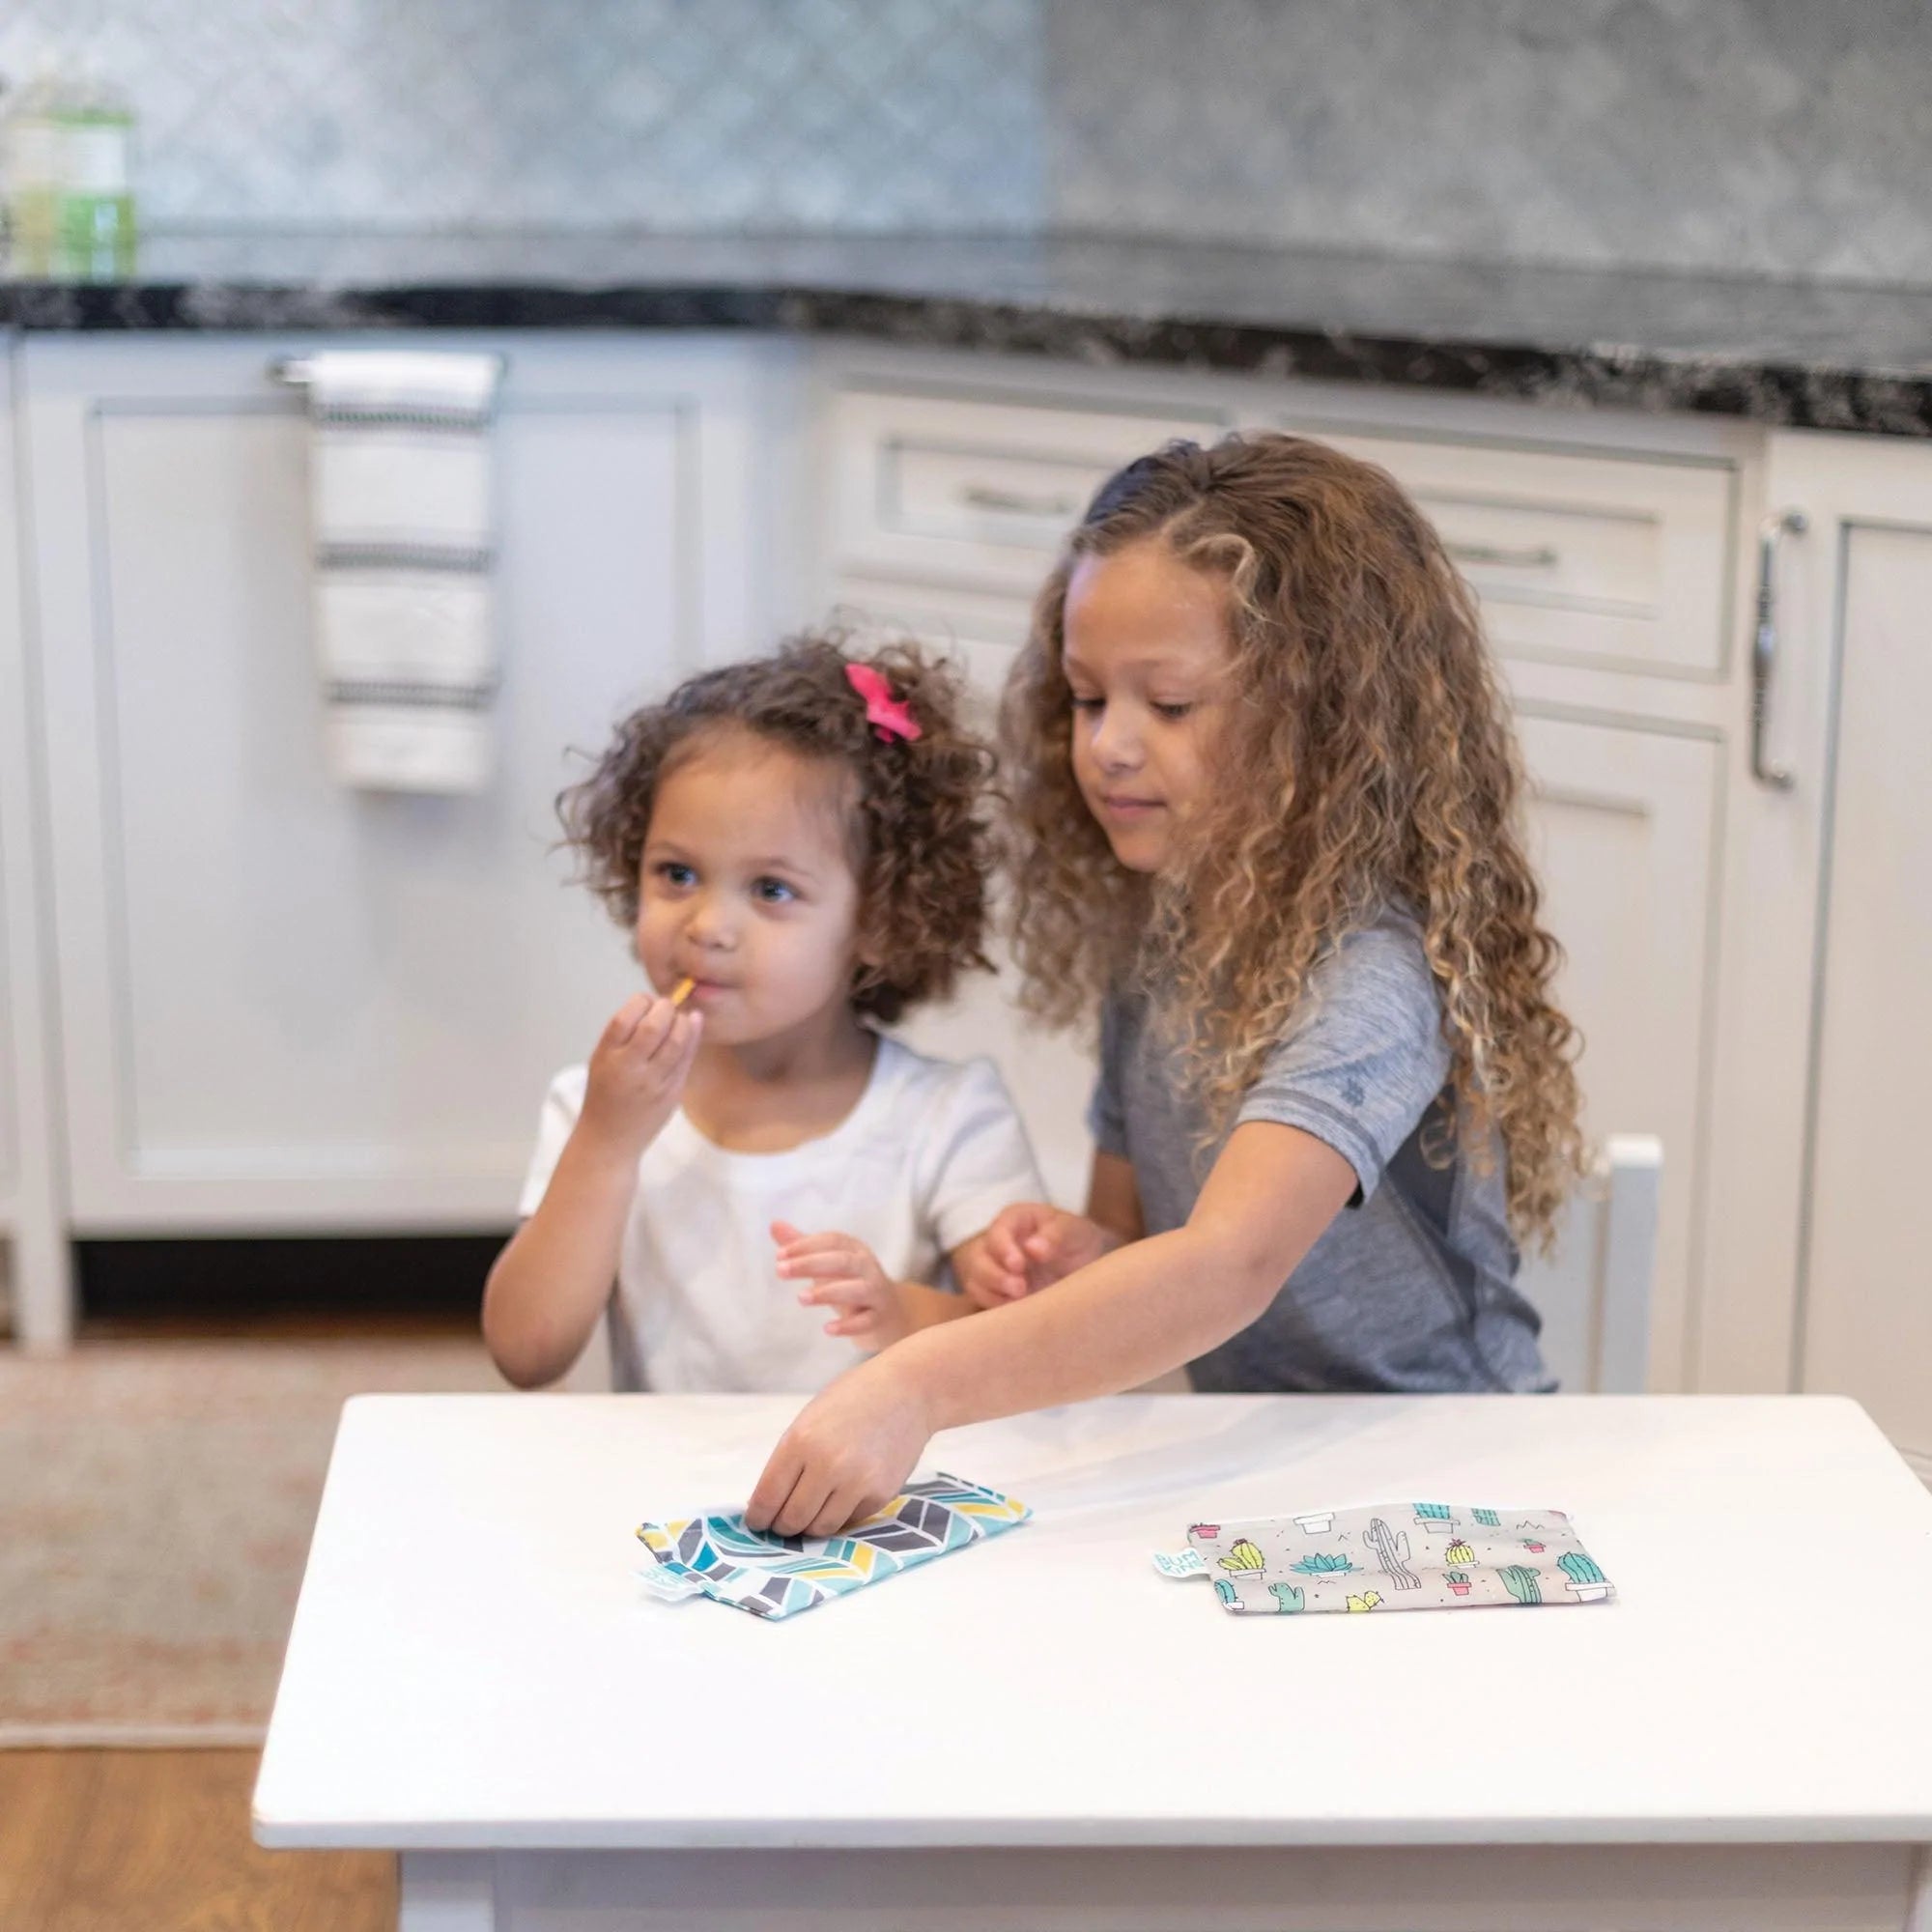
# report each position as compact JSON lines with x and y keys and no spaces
{"x":93,"y":228}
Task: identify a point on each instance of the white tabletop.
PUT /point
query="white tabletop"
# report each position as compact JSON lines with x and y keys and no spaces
{"x":475,"y":1663}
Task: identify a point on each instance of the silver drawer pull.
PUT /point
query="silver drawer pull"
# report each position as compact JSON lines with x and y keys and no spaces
{"x":1014,"y":504}
{"x":1771,"y":535}
{"x":1537,"y":556}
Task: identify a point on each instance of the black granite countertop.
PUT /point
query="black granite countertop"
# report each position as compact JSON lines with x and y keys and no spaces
{"x":1810,"y":356}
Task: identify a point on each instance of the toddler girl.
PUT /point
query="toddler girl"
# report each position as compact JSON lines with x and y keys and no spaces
{"x":798,"y":848}
{"x":1266,"y":796}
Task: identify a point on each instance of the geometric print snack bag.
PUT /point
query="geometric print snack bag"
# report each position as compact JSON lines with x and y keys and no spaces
{"x":1392,"y":1557}
{"x":779,"y":1575}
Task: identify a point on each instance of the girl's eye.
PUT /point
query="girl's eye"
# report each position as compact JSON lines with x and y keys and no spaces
{"x":774,"y":892}
{"x":1089,"y":704}
{"x":1172,"y":712}
{"x":674,"y":874}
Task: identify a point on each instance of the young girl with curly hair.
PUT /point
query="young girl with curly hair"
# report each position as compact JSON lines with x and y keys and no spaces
{"x":1267,"y":798}
{"x":799,"y":847}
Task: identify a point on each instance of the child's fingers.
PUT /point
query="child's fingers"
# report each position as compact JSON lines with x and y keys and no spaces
{"x":853,"y":1324}
{"x":827,"y":1265}
{"x":623,"y":1023}
{"x":784,"y":1234}
{"x":651,"y":1029}
{"x":843,"y":1292}
{"x":829,"y":1243}
{"x":1003,"y":1243}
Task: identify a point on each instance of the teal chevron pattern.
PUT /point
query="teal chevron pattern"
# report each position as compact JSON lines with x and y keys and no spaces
{"x":779,"y":1575}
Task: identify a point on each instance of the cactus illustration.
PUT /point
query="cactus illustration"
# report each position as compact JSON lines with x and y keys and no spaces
{"x":1521,"y":1582}
{"x":1226,"y":1593}
{"x":1316,"y":1525}
{"x":1243,"y":1557}
{"x":1432,"y":1516}
{"x":1287,"y":1600}
{"x":1489,"y":1518}
{"x":1458,"y":1552}
{"x":1459,"y":1581}
{"x":1391,"y":1547}
{"x":1203,"y":1530}
{"x":1367,"y":1600}
{"x":1319,"y":1565}
{"x":1530,"y":1542}
{"x":1587,"y":1584}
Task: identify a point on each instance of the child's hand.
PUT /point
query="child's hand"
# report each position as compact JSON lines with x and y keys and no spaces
{"x":638,"y":1070}
{"x":841,"y":1273}
{"x":1028,"y":1246}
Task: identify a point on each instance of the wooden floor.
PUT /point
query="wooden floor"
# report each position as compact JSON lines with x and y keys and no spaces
{"x":158,"y":1841}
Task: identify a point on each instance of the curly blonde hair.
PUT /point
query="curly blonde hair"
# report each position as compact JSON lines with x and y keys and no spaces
{"x":917,"y":832}
{"x":1367,"y":761}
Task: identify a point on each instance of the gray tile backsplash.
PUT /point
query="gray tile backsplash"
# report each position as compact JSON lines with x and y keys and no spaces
{"x":874,"y":114}
{"x":1757,"y":136}
{"x":1762,"y":136}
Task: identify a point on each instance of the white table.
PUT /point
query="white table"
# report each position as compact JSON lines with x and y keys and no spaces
{"x":1042,"y":1732}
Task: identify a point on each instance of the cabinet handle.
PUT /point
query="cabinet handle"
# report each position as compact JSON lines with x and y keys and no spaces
{"x":1012,"y":504}
{"x":1536,"y":556}
{"x":1771,"y":535}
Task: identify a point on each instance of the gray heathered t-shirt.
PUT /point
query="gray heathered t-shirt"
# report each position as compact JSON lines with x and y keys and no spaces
{"x":1410,"y":1287}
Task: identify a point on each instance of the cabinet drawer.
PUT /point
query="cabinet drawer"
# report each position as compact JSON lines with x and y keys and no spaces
{"x":977,"y":494}
{"x":1609,"y":562}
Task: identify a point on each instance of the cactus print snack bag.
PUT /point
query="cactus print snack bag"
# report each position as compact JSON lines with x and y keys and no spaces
{"x":1392,"y":1557}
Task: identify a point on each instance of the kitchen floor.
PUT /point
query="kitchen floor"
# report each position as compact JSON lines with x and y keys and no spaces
{"x":158,"y":1841}
{"x":140,"y":1841}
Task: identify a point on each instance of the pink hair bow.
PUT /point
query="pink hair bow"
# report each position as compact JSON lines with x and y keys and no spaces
{"x":889,"y":717}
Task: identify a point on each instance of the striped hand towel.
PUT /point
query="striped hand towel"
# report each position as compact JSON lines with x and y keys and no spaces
{"x":404,"y":549}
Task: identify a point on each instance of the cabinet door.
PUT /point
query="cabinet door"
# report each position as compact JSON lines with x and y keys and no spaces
{"x":1624,"y":824}
{"x":34,"y":1264}
{"x":1866,"y":1301}
{"x":286,"y":1003}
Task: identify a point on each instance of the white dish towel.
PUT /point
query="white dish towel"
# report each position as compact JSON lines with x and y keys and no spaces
{"x":405,"y":546}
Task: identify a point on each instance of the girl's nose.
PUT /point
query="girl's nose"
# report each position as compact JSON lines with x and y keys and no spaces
{"x":708,"y":924}
{"x":1116,"y":744}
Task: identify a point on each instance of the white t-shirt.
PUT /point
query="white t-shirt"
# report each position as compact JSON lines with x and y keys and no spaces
{"x":930,"y":1153}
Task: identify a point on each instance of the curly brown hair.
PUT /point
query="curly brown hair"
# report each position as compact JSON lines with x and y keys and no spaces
{"x":1367,"y":762}
{"x":918,"y":836}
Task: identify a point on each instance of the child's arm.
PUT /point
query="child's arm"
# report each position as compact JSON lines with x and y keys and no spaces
{"x":551,"y":1284}
{"x":1125,"y":1317}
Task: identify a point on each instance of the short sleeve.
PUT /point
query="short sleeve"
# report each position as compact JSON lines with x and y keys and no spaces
{"x":1361,"y":1064}
{"x":1106,"y":1118}
{"x":981,"y":1157}
{"x":561,"y":1106}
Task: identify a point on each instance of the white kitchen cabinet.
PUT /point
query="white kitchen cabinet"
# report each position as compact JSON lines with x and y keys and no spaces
{"x":1624,"y":825}
{"x":286,"y":1005}
{"x":33,"y":1237}
{"x":1865,"y":1300}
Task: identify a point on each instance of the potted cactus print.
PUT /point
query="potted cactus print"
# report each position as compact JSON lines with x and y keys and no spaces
{"x":1433,"y":1516}
{"x":1458,"y":1552}
{"x":1459,"y":1581}
{"x":1530,"y":1543}
{"x":1287,"y":1600}
{"x":1315,"y":1564}
{"x":1317,"y":1525}
{"x":1489,"y":1518}
{"x":1521,"y":1582}
{"x":1586,"y":1580}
